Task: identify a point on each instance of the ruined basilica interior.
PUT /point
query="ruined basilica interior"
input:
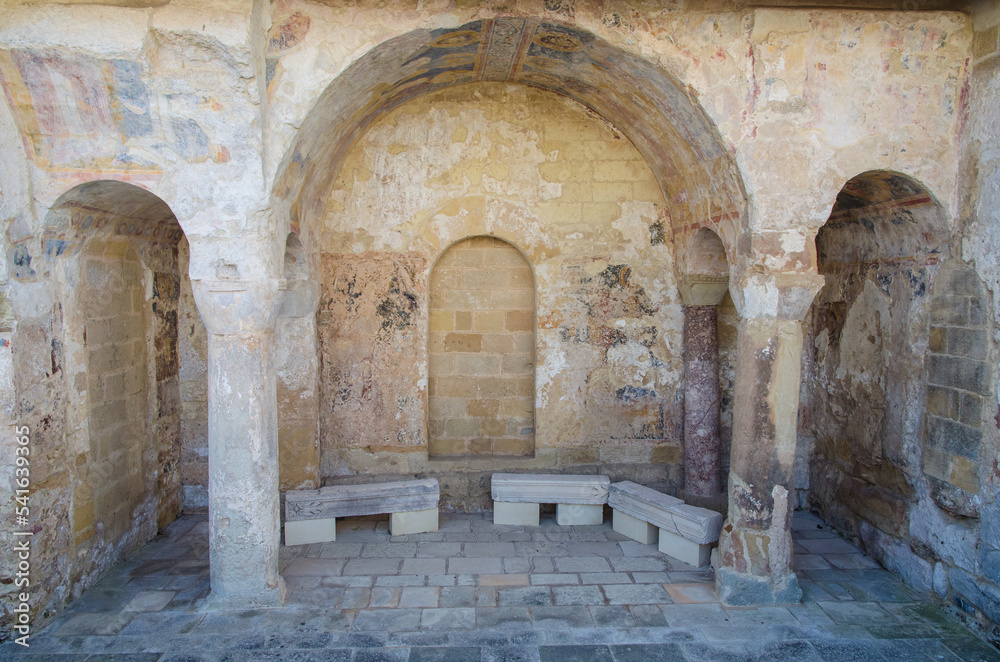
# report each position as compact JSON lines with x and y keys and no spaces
{"x":744,"y":254}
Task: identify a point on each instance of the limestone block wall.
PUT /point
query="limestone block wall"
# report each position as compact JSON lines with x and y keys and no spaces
{"x":111,"y":477}
{"x":575,"y":198}
{"x":959,"y":377}
{"x":481,"y":359}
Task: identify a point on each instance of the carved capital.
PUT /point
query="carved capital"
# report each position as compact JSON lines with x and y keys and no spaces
{"x":703,"y":289}
{"x":776,"y":296}
{"x":238,"y":307}
{"x":299,"y":298}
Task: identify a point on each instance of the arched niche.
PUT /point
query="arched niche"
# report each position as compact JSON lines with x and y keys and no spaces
{"x":863,"y":363}
{"x":481,"y":351}
{"x":113,"y":251}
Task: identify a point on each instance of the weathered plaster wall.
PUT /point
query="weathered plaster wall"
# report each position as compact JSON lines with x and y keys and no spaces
{"x":901,"y":364}
{"x":975,"y":580}
{"x":102,"y":400}
{"x":547,"y":176}
{"x":867,"y":339}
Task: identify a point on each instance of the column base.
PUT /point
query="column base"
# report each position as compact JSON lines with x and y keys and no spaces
{"x":261,"y":599}
{"x":740,"y":590}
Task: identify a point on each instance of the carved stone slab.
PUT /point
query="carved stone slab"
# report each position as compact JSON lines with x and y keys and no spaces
{"x":643,"y":503}
{"x":551,"y":488}
{"x":699,"y":525}
{"x":370,"y":499}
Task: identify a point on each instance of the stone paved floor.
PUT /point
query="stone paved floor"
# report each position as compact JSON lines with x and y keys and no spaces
{"x":477,"y":592}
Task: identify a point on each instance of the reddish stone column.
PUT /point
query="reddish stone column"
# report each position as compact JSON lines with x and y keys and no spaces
{"x":702,"y":448}
{"x":702,"y":452}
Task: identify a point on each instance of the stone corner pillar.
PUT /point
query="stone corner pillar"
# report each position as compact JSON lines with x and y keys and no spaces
{"x":702,"y":447}
{"x":754,"y":563}
{"x":242,"y":441}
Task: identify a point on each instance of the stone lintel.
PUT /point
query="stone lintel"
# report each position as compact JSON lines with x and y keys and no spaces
{"x":368,"y":499}
{"x":550,"y":488}
{"x":703,"y":289}
{"x":782,"y":296}
{"x":238,"y":307}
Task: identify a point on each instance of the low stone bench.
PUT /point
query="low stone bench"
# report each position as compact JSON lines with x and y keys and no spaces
{"x":311,"y":515}
{"x":579,"y":499}
{"x":685,"y":532}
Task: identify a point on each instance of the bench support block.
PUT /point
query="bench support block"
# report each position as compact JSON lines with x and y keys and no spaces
{"x":521,"y":514}
{"x":633,"y":527}
{"x":308,"y":531}
{"x":681,"y":548}
{"x":414,"y":521}
{"x":570,"y":514}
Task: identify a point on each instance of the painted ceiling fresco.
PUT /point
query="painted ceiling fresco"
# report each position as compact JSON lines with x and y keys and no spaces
{"x":78,"y":111}
{"x":673,"y":134}
{"x":877,"y":187}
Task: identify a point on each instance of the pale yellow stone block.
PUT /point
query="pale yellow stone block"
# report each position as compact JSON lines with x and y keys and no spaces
{"x":442,"y":320}
{"x":309,"y":531}
{"x":964,"y":474}
{"x":601,"y":213}
{"x":518,"y":514}
{"x":489,"y":321}
{"x":559,"y":212}
{"x":415,"y":521}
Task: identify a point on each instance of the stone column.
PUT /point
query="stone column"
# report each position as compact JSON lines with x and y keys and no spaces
{"x":702,"y":451}
{"x":242,"y":441}
{"x":755,"y":548}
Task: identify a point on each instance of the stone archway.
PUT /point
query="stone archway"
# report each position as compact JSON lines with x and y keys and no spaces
{"x":110,"y":261}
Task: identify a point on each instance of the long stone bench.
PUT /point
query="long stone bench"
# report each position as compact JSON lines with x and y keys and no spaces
{"x":579,"y":499}
{"x":311,"y":515}
{"x":685,"y":532}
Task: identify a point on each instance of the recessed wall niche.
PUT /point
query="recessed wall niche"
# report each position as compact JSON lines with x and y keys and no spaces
{"x":482,"y":351}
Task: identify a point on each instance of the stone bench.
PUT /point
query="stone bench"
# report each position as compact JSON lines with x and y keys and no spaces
{"x":685,"y":532}
{"x":579,"y":499}
{"x":311,"y":515}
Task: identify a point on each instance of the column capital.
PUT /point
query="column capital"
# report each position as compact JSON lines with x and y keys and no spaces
{"x":703,"y":289}
{"x":781,"y":296}
{"x":238,"y":307}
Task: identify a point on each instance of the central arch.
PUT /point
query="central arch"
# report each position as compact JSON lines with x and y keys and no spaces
{"x":695,"y":171}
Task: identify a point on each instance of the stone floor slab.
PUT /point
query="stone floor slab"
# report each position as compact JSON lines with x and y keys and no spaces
{"x":564,"y":593}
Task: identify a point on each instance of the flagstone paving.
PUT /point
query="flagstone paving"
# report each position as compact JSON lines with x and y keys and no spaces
{"x":475,"y":592}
